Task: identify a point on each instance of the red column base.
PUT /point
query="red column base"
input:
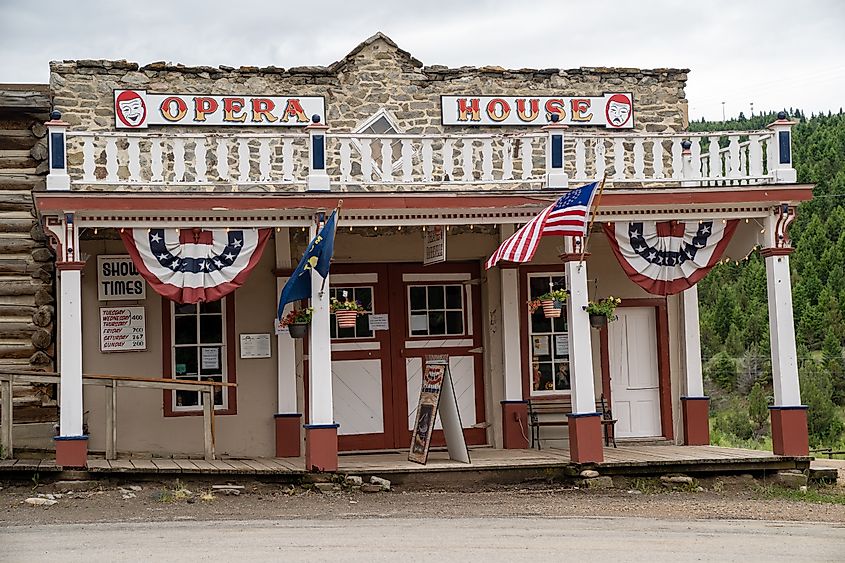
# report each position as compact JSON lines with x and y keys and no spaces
{"x":585,"y":441}
{"x":287,"y":434}
{"x":71,"y":451}
{"x":696,"y":420}
{"x":789,"y":431}
{"x":321,"y":447}
{"x":515,"y":425}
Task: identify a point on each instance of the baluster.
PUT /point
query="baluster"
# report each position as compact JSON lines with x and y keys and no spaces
{"x":386,"y":160}
{"x":599,"y":150}
{"x":527,"y":157}
{"x":449,"y":160}
{"x":466,"y":159}
{"x":134,"y":152}
{"x":487,"y":159}
{"x":111,"y":159}
{"x":507,"y":159}
{"x":677,"y":160}
{"x":243,"y":160}
{"x":407,"y":168}
{"x":201,"y":166}
{"x":695,"y":157}
{"x":156,"y":161}
{"x":222,"y":155}
{"x":715,"y":158}
{"x":345,"y":161}
{"x":618,"y":158}
{"x":264,"y":159}
{"x":287,"y":159}
{"x":755,"y":157}
{"x":88,"y":164}
{"x":657,"y":157}
{"x":580,"y":159}
{"x":733,"y":150}
{"x":179,"y":160}
{"x":771,"y":157}
{"x":639,"y":159}
{"x":427,"y":160}
{"x":366,"y":161}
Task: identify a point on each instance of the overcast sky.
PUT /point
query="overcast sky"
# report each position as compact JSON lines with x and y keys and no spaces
{"x":774,"y":54}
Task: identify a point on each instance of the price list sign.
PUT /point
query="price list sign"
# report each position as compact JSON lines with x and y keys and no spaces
{"x":122,"y":329}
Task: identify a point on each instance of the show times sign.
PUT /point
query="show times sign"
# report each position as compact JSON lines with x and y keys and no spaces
{"x":118,"y":279}
{"x":138,"y":109}
{"x":611,"y":110}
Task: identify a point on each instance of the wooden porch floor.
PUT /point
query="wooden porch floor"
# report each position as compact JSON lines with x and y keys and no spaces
{"x":635,"y":459}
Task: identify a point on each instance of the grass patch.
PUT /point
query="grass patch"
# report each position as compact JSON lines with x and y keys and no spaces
{"x":812,"y":494}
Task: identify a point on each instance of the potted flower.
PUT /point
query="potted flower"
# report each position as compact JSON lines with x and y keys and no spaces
{"x":346,"y":311}
{"x":297,"y":321}
{"x":602,"y":311}
{"x":551,"y":302}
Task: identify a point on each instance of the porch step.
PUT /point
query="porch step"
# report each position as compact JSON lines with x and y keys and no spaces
{"x":823,"y":474}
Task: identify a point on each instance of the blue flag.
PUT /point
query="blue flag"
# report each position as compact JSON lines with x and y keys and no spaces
{"x":317,"y":257}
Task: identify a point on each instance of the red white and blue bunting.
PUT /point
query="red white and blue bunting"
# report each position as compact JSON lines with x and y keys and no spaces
{"x":667,"y":257}
{"x":195,"y":265}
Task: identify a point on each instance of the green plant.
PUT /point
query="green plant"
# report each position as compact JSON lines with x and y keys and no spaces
{"x":346,"y":305}
{"x":758,"y":405}
{"x":605,"y":307}
{"x":298,"y":316}
{"x":558,"y":295}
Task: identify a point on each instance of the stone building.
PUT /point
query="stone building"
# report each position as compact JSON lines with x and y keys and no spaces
{"x":219,"y":157}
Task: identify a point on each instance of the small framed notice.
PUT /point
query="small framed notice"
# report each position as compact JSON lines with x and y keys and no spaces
{"x":378,"y":322}
{"x":255,"y":346}
{"x":122,"y":329}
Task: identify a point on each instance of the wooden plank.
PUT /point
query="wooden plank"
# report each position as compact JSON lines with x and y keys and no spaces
{"x":239,"y":466}
{"x":98,"y":465}
{"x":205,"y":466}
{"x":166,"y":466}
{"x":186,"y":465}
{"x":27,"y":465}
{"x":208,"y":424}
{"x":7,"y":463}
{"x":293,"y":464}
{"x":48,"y":465}
{"x":221,"y":466}
{"x":121,"y":465}
{"x":144,"y":465}
{"x":261,"y":467}
{"x":6,"y":424}
{"x":111,"y":446}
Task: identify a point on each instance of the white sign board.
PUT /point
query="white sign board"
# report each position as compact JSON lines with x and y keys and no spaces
{"x":562,"y":345}
{"x":122,"y":329}
{"x":255,"y":346}
{"x":117,"y":279}
{"x":209,"y":358}
{"x":378,"y":322}
{"x":435,"y":245}
{"x":612,"y":110}
{"x":138,"y":109}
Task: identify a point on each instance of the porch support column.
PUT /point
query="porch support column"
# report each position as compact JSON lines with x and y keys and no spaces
{"x":789,"y":416}
{"x":585,"y":441}
{"x":695,"y":405}
{"x":71,"y":444}
{"x":288,"y":419}
{"x":321,"y":430}
{"x":514,"y":407}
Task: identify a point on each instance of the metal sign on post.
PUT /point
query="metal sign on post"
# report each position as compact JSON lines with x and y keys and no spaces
{"x":437,"y":395}
{"x":435,"y":245}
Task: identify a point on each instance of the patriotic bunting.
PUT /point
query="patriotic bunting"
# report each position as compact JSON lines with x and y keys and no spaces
{"x":195,"y":265}
{"x":667,"y":257}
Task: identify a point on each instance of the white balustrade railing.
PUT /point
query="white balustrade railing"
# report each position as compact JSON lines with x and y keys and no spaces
{"x":282,"y":160}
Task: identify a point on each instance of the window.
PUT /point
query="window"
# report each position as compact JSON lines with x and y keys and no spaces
{"x":548,"y":340}
{"x":198,"y":336}
{"x":381,"y":123}
{"x":363,"y":295}
{"x":436,"y":310}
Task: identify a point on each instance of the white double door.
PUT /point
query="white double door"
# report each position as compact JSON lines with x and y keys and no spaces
{"x":634,"y":373}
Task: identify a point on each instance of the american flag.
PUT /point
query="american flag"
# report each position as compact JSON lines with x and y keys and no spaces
{"x":566,"y":217}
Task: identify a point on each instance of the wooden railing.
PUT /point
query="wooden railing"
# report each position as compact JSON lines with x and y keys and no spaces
{"x":111,"y":382}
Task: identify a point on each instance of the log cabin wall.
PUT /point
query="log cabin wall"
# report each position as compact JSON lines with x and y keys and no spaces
{"x":27,"y":269}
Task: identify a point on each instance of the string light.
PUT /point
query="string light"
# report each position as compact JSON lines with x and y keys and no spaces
{"x":375,"y":228}
{"x":278,"y":229}
{"x":95,"y":230}
{"x":121,"y":229}
{"x":423,"y":228}
{"x":746,"y":219}
{"x":350,"y":228}
{"x":400,"y":227}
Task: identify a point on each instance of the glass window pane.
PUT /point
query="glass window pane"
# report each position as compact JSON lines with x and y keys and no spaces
{"x":364,"y":295}
{"x":362,"y":327}
{"x":211,"y":307}
{"x":562,"y":376}
{"x":454,"y":297}
{"x":185,"y":308}
{"x":417,"y":298}
{"x":454,"y":322}
{"x":436,"y":298}
{"x":186,"y":361}
{"x":187,"y":398}
{"x":185,"y":330}
{"x":346,"y":332}
{"x":436,"y":322}
{"x":542,"y":378}
{"x":560,"y":322}
{"x":538,"y":286}
{"x":539,"y":322}
{"x":211,"y":329}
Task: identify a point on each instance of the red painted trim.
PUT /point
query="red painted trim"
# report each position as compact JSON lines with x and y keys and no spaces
{"x":167,"y":358}
{"x":663,"y":287}
{"x":61,"y":266}
{"x":768,"y":252}
{"x":122,"y":201}
{"x":604,"y":347}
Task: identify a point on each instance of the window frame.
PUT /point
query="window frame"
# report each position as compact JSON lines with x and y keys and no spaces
{"x":230,"y":405}
{"x":381,"y":113}
{"x":526,"y":334}
{"x":370,"y":311}
{"x":464,"y":309}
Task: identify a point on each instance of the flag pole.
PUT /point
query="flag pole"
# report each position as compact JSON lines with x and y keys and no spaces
{"x":337,"y":217}
{"x":593,"y":218}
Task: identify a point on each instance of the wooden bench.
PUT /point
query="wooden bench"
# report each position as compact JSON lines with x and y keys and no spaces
{"x":555,"y":411}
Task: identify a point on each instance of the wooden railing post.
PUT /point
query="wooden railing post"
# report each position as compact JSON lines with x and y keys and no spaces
{"x":57,"y":178}
{"x":7,"y":406}
{"x":208,"y":422}
{"x":111,"y":418}
{"x":784,"y":173}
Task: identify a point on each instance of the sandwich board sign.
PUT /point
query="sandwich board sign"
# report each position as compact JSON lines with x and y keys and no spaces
{"x":437,"y":395}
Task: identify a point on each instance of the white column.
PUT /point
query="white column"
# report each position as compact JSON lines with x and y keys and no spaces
{"x":782,"y":332}
{"x":70,"y":350}
{"x":286,"y":361}
{"x":692,"y":343}
{"x":511,"y":349}
{"x":320,"y":407}
{"x":580,"y":348}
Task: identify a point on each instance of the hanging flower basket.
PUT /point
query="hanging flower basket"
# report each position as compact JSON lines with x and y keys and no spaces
{"x":602,"y":311}
{"x":598,"y":320}
{"x":551,"y":303}
{"x":298,"y":330}
{"x":346,"y":318}
{"x":551,"y":308}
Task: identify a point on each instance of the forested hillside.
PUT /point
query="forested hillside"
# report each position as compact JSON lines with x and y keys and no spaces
{"x":734,"y":314}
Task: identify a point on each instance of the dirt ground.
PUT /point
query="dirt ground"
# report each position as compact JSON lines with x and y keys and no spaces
{"x":171,"y":500}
